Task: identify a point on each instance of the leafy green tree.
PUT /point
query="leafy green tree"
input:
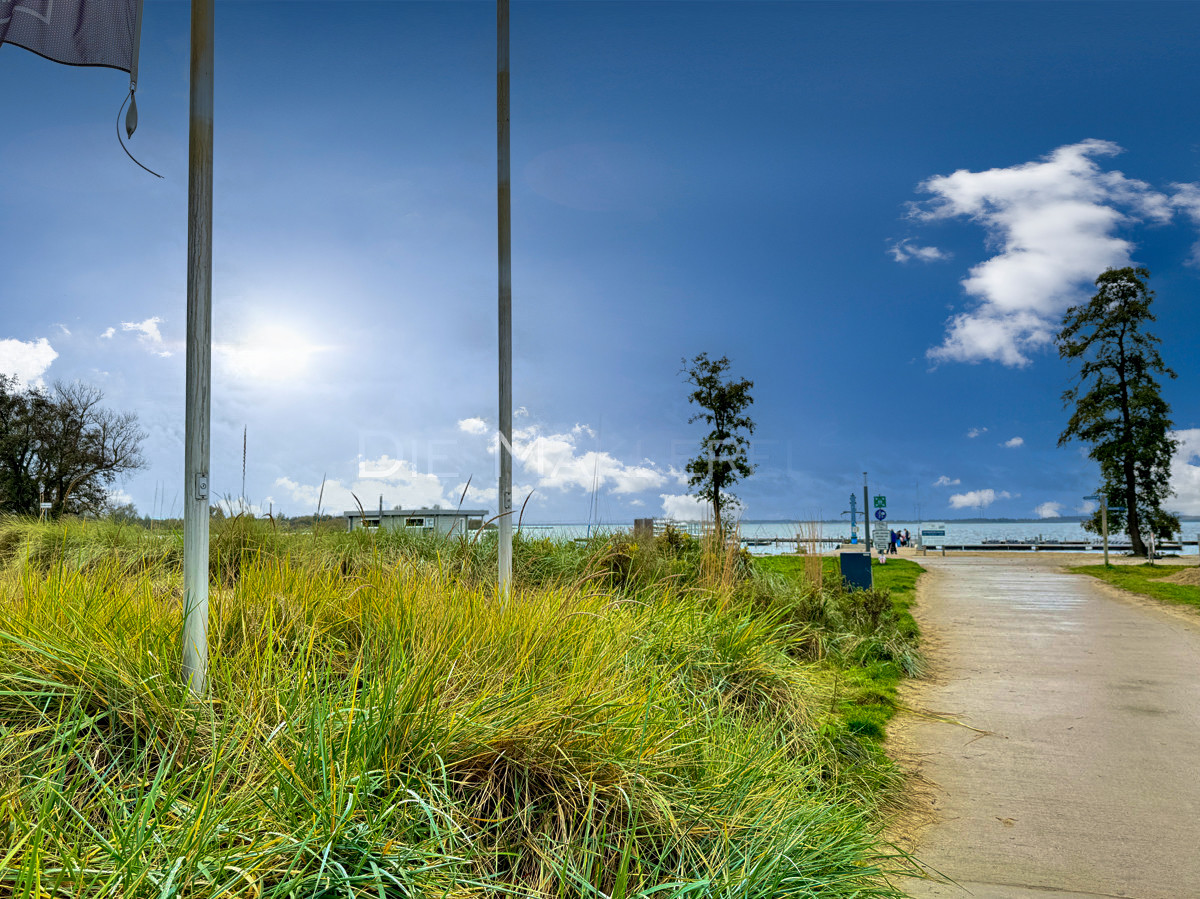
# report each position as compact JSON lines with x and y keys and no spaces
{"x":1118,"y":406}
{"x":64,"y":445}
{"x":723,"y":402}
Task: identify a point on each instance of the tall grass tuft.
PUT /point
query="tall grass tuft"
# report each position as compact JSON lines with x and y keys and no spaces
{"x":640,"y":719}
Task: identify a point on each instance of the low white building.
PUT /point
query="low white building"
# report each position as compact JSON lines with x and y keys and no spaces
{"x":440,"y":521}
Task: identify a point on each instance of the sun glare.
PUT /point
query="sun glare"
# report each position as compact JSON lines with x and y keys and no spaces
{"x":271,"y":353}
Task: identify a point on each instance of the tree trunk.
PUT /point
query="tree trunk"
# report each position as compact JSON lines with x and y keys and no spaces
{"x":1131,"y":514}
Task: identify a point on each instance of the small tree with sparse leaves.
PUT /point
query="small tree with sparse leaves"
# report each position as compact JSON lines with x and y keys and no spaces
{"x":1118,"y":406}
{"x":723,"y":456}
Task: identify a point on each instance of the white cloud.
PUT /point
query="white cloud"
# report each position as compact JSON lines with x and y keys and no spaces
{"x":555,"y":461}
{"x":906,"y":250}
{"x":107,"y":333}
{"x":148,"y":334}
{"x":1087,"y":507}
{"x":1185,"y":473}
{"x":977,"y":499}
{"x":65,"y":330}
{"x":26,"y":360}
{"x":685,"y":507}
{"x":1053,"y":221}
{"x":975,"y":432}
{"x":1014,"y":442}
{"x":398,"y":480}
{"x":473,"y":426}
{"x":1048,"y":510}
{"x":682,"y":507}
{"x":119,"y":497}
{"x":1187,"y":199}
{"x":944,"y":481}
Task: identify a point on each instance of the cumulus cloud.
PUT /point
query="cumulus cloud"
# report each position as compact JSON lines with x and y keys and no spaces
{"x":1187,"y":199}
{"x":398,"y":480}
{"x":685,"y":507}
{"x":1054,"y":222}
{"x":1087,"y":507}
{"x":1185,"y":473}
{"x":977,"y":499}
{"x":682,"y":507}
{"x":906,"y":251}
{"x":26,"y":360}
{"x":944,"y":481}
{"x":556,"y":461}
{"x":473,"y":426}
{"x":975,"y":432}
{"x":107,"y":333}
{"x":1014,"y":442}
{"x":148,"y":335}
{"x":1048,"y":510}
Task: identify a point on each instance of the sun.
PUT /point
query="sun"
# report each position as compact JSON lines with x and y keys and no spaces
{"x":269,"y":353}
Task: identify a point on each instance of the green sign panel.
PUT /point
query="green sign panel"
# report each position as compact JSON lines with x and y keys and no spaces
{"x":881,"y":502}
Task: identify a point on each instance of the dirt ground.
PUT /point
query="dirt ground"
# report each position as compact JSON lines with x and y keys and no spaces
{"x":1053,"y":745}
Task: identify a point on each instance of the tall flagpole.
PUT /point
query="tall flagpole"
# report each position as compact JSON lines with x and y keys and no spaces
{"x":199,"y":352}
{"x":504,"y":231}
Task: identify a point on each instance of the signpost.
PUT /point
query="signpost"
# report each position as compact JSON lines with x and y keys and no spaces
{"x":1105,"y":508}
{"x":880,"y":502}
{"x":881,"y":514}
{"x":938,"y":532}
{"x":882,"y":539}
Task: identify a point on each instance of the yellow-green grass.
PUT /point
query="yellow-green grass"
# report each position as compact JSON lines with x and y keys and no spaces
{"x":1146,"y":580}
{"x":636,"y":720}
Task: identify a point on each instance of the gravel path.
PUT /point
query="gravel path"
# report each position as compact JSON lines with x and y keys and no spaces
{"x":1081,"y":776}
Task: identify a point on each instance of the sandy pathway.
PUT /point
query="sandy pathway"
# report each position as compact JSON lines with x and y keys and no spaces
{"x":1089,"y":782}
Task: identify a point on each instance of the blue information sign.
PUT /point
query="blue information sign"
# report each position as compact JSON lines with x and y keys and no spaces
{"x":881,"y":514}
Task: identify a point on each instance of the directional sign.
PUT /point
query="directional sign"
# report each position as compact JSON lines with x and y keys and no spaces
{"x":880,"y":502}
{"x":881,"y":514}
{"x":933,"y":532}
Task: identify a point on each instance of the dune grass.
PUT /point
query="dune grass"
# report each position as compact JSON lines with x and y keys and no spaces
{"x":654,"y":719}
{"x":1147,"y":580}
{"x":866,"y":690}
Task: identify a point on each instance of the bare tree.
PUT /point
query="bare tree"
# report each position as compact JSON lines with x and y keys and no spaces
{"x":64,"y":445}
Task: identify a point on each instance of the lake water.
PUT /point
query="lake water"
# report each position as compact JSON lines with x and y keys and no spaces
{"x":957,"y":532}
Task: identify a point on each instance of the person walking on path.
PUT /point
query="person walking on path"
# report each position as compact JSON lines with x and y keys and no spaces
{"x":892,"y":536}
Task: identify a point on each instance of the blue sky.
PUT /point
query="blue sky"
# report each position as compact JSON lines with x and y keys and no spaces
{"x":878,"y":211}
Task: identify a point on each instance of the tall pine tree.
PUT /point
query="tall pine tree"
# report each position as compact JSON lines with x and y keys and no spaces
{"x":1118,"y":406}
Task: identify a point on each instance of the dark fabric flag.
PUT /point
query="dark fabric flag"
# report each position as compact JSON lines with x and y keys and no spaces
{"x":75,"y":32}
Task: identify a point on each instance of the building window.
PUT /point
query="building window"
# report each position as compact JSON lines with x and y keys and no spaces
{"x":414,"y":522}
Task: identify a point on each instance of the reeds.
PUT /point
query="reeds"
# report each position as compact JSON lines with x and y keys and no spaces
{"x":631,"y":723}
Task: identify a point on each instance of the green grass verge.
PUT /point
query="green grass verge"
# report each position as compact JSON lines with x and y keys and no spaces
{"x":657,"y":718}
{"x":1146,"y":580}
{"x":865,"y":688}
{"x":865,"y":681}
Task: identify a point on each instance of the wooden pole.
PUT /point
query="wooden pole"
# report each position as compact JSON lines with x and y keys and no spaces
{"x":504,"y":247}
{"x":199,"y":352}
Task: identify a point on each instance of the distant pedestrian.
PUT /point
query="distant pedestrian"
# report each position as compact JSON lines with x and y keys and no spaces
{"x":892,"y":537}
{"x":907,"y":538}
